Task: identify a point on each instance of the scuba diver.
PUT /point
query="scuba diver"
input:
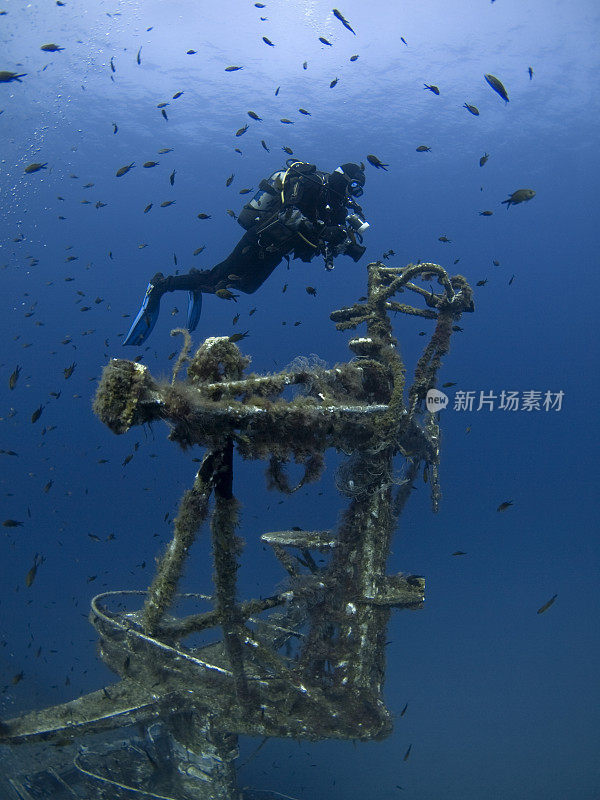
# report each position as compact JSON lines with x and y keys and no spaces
{"x":298,"y":209}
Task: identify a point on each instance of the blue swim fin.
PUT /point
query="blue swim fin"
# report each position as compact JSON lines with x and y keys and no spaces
{"x":194,"y":309}
{"x":146,"y":317}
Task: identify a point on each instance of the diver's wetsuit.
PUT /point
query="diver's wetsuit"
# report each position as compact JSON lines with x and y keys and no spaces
{"x":252,"y":260}
{"x":248,"y":261}
{"x":306,"y":215}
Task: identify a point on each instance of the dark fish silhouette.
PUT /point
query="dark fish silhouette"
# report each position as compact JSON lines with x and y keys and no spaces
{"x":483,"y":159}
{"x":375,"y":162}
{"x":51,"y":48}
{"x":7,"y":77}
{"x":497,"y":86}
{"x":338,"y":15}
{"x":520,"y":196}
{"x":323,"y":40}
{"x":123,"y":170}
{"x":433,"y":89}
{"x":547,"y":604}
{"x":472,"y":109}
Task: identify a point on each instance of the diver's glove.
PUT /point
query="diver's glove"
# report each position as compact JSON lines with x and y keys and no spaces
{"x":147,"y":316}
{"x":294,"y":220}
{"x":333,"y":234}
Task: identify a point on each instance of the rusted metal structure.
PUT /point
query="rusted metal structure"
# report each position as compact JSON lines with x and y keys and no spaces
{"x":308,"y":661}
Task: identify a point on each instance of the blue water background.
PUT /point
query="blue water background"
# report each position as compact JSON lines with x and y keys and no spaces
{"x":502,"y":702}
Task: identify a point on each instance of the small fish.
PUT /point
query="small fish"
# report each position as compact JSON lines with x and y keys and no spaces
{"x":191,"y":52}
{"x":448,"y":384}
{"x":338,"y":15}
{"x":99,"y":204}
{"x":264,"y":144}
{"x":35,"y":167}
{"x":444,"y":239}
{"x":268,"y":41}
{"x":403,"y":40}
{"x":12,"y":523}
{"x":229,"y":180}
{"x":459,"y":553}
{"x":149,"y":164}
{"x":251,"y":312}
{"x":511,"y":280}
{"x":286,"y":121}
{"x":234,"y":321}
{"x":503,"y":506}
{"x":232,"y":69}
{"x":176,"y":95}
{"x":520,"y":196}
{"x":12,"y":381}
{"x":495,"y":262}
{"x":277,"y":90}
{"x":172,"y":178}
{"x":483,"y":159}
{"x":374,"y":161}
{"x":164,"y":113}
{"x":164,"y":150}
{"x":422,"y":148}
{"x":47,"y":487}
{"x":497,"y":86}
{"x":241,"y":131}
{"x":68,"y":371}
{"x":254,"y":115}
{"x":305,"y":112}
{"x":225,"y":294}
{"x":431,"y":88}
{"x":166,"y":203}
{"x":311,"y":290}
{"x":472,"y":109}
{"x":201,"y":215}
{"x":547,"y":604}
{"x":30,"y":577}
{"x":323,"y":40}
{"x":138,"y":58}
{"x":244,"y":191}
{"x":115,"y":127}
{"x":51,"y":48}
{"x":530,"y":71}
{"x":407,"y":754}
{"x":485,"y":213}
{"x":126,"y":460}
{"x":237,"y":337}
{"x":37,"y":413}
{"x":7,"y":77}
{"x":148,"y":207}
{"x":354,"y":58}
{"x":231,"y":213}
{"x":288,"y":150}
{"x":124,"y":170}
{"x":481,"y":283}
{"x":198,"y":250}
{"x":333,"y":83}
{"x":403,"y":712}
{"x":457,"y":328}
{"x":112,"y":64}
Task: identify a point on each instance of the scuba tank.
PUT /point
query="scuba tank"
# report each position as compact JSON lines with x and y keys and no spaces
{"x":275,"y":192}
{"x":264,"y":202}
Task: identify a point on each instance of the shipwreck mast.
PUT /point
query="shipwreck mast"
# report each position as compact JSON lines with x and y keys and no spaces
{"x":307,"y":662}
